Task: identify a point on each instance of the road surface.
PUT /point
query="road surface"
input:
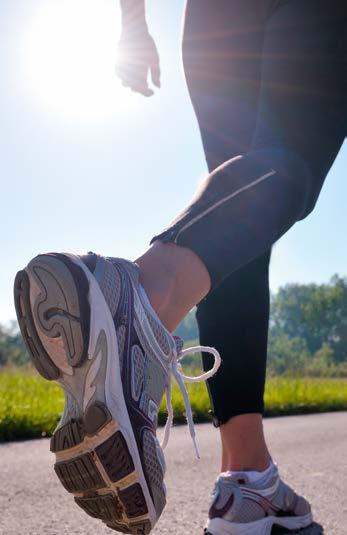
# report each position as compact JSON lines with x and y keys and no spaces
{"x":310,"y":450}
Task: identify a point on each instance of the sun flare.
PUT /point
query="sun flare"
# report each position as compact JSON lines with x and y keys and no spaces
{"x":69,"y":55}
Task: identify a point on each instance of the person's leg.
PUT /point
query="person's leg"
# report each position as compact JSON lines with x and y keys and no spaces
{"x":249,"y":202}
{"x":89,"y":325}
{"x":234,"y":319}
{"x":165,"y":268}
{"x":222,"y":58}
{"x":227,"y":119}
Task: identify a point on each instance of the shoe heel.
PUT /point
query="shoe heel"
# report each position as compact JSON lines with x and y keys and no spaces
{"x":51,"y":299}
{"x":101,"y":477}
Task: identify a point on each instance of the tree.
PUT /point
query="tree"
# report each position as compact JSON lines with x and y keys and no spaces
{"x":314,"y":313}
{"x":286,"y":355}
{"x":288,"y":313}
{"x":326,"y":316}
{"x":12,"y":350}
{"x":188,"y":328}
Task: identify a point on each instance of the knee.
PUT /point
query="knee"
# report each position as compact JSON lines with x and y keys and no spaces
{"x":300,"y":183}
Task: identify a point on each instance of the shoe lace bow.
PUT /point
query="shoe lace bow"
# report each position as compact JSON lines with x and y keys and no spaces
{"x":177,"y":372}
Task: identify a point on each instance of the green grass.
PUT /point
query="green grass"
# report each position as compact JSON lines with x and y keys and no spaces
{"x":284,"y":396}
{"x":30,"y":407}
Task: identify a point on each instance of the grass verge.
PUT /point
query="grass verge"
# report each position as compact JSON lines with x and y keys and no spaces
{"x":30,"y":407}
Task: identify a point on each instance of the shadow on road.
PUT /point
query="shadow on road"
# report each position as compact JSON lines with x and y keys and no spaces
{"x":314,"y":529}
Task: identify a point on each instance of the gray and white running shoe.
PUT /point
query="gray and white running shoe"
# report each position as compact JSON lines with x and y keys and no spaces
{"x":88,"y":325}
{"x":241,"y":508}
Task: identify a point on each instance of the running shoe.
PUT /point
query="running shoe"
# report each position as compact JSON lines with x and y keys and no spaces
{"x":241,"y":508}
{"x":87,"y":324}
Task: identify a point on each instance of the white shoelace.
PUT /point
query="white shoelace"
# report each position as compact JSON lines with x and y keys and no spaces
{"x":177,"y":373}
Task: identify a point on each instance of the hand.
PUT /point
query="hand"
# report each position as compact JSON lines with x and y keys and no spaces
{"x":137,"y":55}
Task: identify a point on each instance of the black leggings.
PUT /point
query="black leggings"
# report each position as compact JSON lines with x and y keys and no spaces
{"x":268,"y":81}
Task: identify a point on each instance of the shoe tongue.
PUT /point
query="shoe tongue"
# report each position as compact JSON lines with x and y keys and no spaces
{"x":134,"y":269}
{"x":90,"y":260}
{"x":131,"y":267}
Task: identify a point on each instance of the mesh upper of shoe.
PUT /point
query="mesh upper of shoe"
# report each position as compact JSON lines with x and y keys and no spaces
{"x":109,"y":282}
{"x":150,"y":356}
{"x":156,"y":357}
{"x":246,"y":502}
{"x":286,"y":499}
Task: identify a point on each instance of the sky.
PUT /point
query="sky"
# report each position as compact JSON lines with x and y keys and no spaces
{"x":88,"y":165}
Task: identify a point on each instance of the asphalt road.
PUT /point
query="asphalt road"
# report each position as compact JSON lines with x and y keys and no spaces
{"x":310,"y":450}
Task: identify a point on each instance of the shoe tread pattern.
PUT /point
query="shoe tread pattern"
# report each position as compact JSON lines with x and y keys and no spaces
{"x":79,"y":474}
{"x":115,"y":457}
{"x":106,"y":507}
{"x":61,"y":309}
{"x":134,"y":501}
{"x":67,"y":436}
{"x":74,"y":432}
{"x":135,"y":528}
{"x":40,"y":358}
{"x":120,"y":509}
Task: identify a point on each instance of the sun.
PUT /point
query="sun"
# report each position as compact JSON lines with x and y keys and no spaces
{"x":69,"y":54}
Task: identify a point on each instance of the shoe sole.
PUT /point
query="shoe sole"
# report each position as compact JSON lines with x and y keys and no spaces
{"x":218,"y":526}
{"x":69,"y":333}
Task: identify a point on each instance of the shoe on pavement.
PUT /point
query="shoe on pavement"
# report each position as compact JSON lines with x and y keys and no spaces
{"x":241,"y":508}
{"x":88,"y":324}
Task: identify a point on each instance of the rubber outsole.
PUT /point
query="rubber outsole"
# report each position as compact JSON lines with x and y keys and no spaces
{"x":259,"y":527}
{"x":82,"y":475}
{"x":39,"y":356}
{"x":93,"y":458}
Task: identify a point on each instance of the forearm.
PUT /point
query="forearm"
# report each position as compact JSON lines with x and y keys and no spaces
{"x":133,"y":13}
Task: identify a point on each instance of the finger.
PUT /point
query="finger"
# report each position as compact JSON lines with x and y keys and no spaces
{"x":137,"y":86}
{"x":134,"y":76}
{"x":143,"y":90}
{"x":155,"y":74}
{"x":131,"y":74}
{"x":139,"y":83}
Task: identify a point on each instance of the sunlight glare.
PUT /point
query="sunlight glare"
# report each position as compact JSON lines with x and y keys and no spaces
{"x":69,"y":55}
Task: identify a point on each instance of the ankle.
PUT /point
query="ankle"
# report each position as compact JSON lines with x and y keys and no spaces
{"x":159,"y":279}
{"x":174,"y":279}
{"x":159,"y":292}
{"x":256,"y":464}
{"x":244,"y":446}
